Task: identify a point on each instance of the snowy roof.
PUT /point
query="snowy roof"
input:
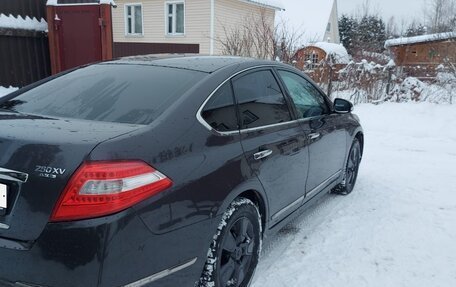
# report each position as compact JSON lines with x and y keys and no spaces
{"x":309,"y":16}
{"x":275,"y":4}
{"x":338,"y":51}
{"x":22,"y":23}
{"x":67,"y":2}
{"x":420,"y":39}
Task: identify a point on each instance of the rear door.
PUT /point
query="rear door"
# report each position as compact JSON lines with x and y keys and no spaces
{"x":326,"y":135}
{"x":273,"y":142}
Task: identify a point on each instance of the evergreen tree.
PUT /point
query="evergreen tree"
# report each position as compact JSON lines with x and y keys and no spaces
{"x":363,"y":34}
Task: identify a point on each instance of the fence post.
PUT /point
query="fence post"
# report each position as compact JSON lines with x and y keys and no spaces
{"x":388,"y":85}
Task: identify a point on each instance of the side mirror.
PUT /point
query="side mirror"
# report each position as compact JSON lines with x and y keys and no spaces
{"x":342,"y":106}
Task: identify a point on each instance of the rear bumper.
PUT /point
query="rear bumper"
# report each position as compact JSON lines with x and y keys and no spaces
{"x":114,"y":251}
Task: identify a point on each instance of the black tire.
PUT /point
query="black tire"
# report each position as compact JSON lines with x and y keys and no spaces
{"x":234,"y":253}
{"x":351,"y":170}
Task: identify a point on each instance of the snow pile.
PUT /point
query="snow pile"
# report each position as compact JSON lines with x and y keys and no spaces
{"x":420,"y":39}
{"x":412,"y":89}
{"x":22,"y":23}
{"x":5,"y":91}
{"x":397,"y":228}
{"x":338,"y":52}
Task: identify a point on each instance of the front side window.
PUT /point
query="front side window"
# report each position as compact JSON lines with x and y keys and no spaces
{"x":175,"y":14}
{"x":220,"y":111}
{"x":133,"y":19}
{"x":308,"y":100}
{"x":260,"y":100}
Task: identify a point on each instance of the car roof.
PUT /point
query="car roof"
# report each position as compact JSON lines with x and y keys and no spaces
{"x":206,"y":64}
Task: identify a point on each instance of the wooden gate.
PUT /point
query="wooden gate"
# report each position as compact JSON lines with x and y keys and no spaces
{"x":79,"y":35}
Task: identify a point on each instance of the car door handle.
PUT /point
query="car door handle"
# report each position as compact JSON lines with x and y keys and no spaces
{"x":262,"y":154}
{"x":314,"y":136}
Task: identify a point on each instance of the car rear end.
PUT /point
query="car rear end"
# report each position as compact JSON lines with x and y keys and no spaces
{"x":69,"y":220}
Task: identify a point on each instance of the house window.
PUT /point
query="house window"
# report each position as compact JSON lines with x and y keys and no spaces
{"x":312,"y":61}
{"x":175,"y":17}
{"x":133,"y":19}
{"x":328,"y":28}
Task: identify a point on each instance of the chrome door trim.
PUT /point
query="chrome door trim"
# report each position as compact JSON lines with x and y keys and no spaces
{"x":161,"y":274}
{"x":323,"y":184}
{"x":287,"y":208}
{"x":314,"y":136}
{"x":262,"y":154}
{"x":13,"y":175}
{"x":4,"y":226}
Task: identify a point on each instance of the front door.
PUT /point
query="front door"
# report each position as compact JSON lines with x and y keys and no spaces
{"x":274,"y":144}
{"x":327,"y":138}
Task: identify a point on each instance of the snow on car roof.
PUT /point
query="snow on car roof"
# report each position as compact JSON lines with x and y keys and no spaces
{"x":420,"y":39}
{"x":338,"y":51}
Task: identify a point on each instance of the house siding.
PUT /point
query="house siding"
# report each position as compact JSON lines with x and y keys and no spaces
{"x":197,"y":24}
{"x":229,"y":14}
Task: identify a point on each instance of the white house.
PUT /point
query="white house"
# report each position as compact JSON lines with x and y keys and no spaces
{"x":181,"y":26}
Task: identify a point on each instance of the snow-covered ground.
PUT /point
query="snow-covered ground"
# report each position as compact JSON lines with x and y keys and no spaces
{"x":398,"y":228}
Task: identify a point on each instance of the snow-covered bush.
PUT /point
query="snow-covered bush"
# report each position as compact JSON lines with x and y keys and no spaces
{"x":369,"y":82}
{"x":365,"y":81}
{"x":412,"y":89}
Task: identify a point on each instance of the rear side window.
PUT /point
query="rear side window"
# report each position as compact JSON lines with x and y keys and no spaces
{"x":260,"y":100}
{"x":220,"y":111}
{"x":133,"y":94}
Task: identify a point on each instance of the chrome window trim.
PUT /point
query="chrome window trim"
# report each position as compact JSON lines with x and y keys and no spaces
{"x":200,"y":118}
{"x":207,"y":126}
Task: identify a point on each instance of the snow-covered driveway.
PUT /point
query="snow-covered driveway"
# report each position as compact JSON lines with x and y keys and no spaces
{"x":398,"y":228}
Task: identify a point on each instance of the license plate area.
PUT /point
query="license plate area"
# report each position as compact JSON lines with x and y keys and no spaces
{"x":3,"y":198}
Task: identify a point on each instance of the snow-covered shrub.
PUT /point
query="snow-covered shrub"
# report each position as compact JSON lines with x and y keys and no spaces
{"x":367,"y":81}
{"x":412,"y":89}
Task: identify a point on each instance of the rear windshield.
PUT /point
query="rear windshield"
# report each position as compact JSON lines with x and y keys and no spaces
{"x":133,"y":94}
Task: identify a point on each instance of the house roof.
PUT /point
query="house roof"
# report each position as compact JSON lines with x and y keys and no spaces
{"x":339,"y":53}
{"x":309,"y":16}
{"x":275,"y":4}
{"x":65,"y":2}
{"x":420,"y":39}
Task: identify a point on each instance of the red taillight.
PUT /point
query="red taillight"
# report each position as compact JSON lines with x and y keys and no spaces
{"x":102,"y":188}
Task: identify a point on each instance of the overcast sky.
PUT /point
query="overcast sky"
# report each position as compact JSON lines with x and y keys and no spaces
{"x":400,"y":9}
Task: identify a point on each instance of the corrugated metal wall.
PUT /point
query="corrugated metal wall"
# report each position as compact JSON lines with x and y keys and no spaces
{"x":24,"y":55}
{"x":31,"y":8}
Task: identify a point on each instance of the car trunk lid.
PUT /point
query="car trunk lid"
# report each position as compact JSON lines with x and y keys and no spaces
{"x":38,"y":155}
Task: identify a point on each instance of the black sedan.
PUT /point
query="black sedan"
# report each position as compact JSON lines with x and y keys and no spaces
{"x":166,"y":171}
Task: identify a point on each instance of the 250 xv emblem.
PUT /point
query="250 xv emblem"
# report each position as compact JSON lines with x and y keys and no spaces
{"x":49,"y":171}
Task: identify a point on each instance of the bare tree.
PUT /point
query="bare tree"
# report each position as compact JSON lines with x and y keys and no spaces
{"x":287,"y":41}
{"x":257,"y":36}
{"x":440,"y":15}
